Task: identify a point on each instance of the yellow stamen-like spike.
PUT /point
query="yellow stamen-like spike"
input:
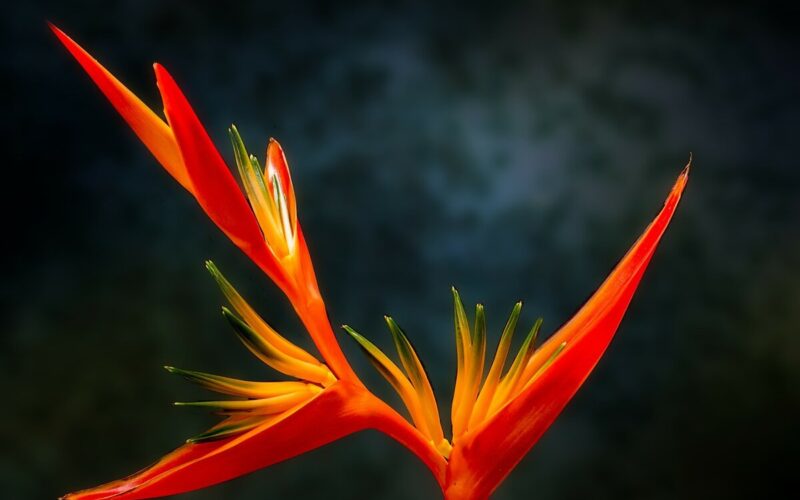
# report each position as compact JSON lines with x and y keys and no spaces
{"x":266,"y":352}
{"x":419,"y":380}
{"x":474,"y":370}
{"x":255,"y":321}
{"x":464,"y":361}
{"x":509,"y":381}
{"x":542,"y":356}
{"x":242,"y":388}
{"x":232,"y":425}
{"x":492,"y":379}
{"x":478,"y":347}
{"x":392,"y":373}
{"x":524,"y":382}
{"x":266,"y":406}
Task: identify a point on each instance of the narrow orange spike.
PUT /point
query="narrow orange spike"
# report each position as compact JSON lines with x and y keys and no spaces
{"x":464,"y":357}
{"x":493,"y":378}
{"x":254,"y":320}
{"x":398,"y":380}
{"x":419,"y":380}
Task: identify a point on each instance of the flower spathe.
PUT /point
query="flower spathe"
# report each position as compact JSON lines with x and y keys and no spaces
{"x":500,"y":406}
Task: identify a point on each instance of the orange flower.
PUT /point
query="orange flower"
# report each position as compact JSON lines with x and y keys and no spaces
{"x":496,"y":416}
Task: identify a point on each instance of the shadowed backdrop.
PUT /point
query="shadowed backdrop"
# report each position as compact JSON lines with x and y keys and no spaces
{"x":514,"y":150}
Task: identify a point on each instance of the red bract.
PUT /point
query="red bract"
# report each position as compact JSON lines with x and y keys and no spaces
{"x":497,"y":414}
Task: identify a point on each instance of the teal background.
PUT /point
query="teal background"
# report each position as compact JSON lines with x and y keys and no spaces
{"x":513,"y":149}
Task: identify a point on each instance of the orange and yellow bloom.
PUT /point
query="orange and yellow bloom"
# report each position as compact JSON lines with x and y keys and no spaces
{"x":500,"y":406}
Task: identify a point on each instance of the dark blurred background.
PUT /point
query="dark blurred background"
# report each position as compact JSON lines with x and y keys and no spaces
{"x":513,"y":149}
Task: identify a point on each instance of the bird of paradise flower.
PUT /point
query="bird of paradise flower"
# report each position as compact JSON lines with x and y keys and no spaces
{"x":496,"y":416}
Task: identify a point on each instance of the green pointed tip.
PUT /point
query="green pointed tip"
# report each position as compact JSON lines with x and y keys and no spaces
{"x":352,"y":332}
{"x":457,"y":300}
{"x":233,"y":133}
{"x":178,"y":371}
{"x":200,"y":404}
{"x":239,"y":150}
{"x":479,"y":339}
{"x":408,"y":356}
{"x":236,"y":140}
{"x":240,"y":327}
{"x":215,"y":273}
{"x":552,"y":357}
{"x":462,"y":330}
{"x":397,"y":333}
{"x":535,"y":330}
{"x":391,"y":323}
{"x":515,"y":312}
{"x":480,"y":315}
{"x":456,"y":296}
{"x":558,"y":351}
{"x":225,"y":430}
{"x":525,"y":350}
{"x":530,"y":340}
{"x":378,"y":359}
{"x":508,"y":331}
{"x":224,"y":285}
{"x":514,"y":316}
{"x":480,"y":319}
{"x":511,"y":324}
{"x":363,"y":342}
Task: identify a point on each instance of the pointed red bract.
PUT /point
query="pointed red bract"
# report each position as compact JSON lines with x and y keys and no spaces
{"x":340,"y":410}
{"x":485,"y":456}
{"x":214,"y":186}
{"x":153,"y":132}
{"x":196,"y":466}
